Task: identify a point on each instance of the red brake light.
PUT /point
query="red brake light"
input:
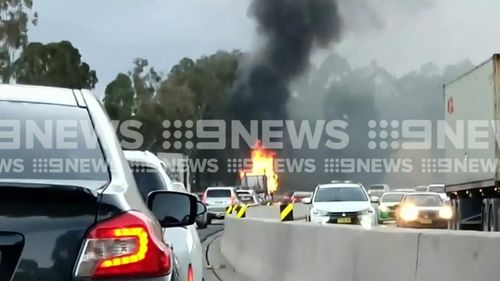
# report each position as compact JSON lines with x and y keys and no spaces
{"x":190,"y":273}
{"x":121,"y":247}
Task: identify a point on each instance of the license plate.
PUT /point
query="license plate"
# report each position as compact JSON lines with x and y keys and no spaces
{"x":426,"y":221}
{"x":344,"y":220}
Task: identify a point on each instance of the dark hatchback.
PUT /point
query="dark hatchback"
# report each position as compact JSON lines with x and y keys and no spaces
{"x":69,"y":206}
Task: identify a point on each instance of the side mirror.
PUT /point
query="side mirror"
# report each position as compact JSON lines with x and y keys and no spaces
{"x":173,"y":209}
{"x":374,"y":199}
{"x":307,"y":201}
{"x":201,"y":208}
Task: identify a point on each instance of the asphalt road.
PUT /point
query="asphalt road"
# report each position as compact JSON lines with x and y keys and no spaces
{"x":204,"y":234}
{"x":215,"y":266}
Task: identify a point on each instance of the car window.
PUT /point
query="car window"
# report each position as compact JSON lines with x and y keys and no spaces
{"x":247,"y":199}
{"x":424,"y":200}
{"x":148,"y":179}
{"x":301,"y":195}
{"x":338,"y":194}
{"x":219,"y":193}
{"x":377,"y":187}
{"x":49,"y":142}
{"x":392,"y":197}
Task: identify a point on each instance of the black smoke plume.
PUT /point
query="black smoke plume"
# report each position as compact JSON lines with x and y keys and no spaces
{"x":291,"y":30}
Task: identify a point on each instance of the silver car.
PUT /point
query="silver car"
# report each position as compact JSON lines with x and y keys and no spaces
{"x":217,"y":200}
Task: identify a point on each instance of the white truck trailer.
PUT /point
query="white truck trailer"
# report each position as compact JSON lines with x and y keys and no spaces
{"x":472,"y":110}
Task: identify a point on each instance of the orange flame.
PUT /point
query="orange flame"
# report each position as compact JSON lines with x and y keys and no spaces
{"x":263,"y":164}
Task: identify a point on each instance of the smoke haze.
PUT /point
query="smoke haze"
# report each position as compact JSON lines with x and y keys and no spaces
{"x":291,"y":30}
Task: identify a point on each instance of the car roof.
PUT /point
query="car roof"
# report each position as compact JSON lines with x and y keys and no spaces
{"x":37,"y":94}
{"x":422,"y":193}
{"x":221,"y":187}
{"x":338,"y":185}
{"x":379,"y":184}
{"x":142,"y":156}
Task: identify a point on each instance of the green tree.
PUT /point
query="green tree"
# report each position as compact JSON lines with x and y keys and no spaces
{"x":15,"y":16}
{"x":54,"y":64}
{"x":119,"y":98}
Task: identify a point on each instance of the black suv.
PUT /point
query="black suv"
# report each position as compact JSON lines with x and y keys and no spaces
{"x":69,"y":206}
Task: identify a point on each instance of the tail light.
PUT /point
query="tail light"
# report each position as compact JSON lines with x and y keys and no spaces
{"x":123,"y":247}
{"x":190,"y":273}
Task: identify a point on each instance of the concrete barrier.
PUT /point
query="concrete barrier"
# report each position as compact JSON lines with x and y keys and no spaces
{"x":459,"y":256}
{"x":300,"y":211}
{"x":266,"y":250}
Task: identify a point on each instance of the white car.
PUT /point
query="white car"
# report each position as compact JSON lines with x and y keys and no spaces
{"x":342,"y":203}
{"x":439,"y":189}
{"x":375,"y":191}
{"x":249,"y":197}
{"x":217,"y":200}
{"x":150,"y":174}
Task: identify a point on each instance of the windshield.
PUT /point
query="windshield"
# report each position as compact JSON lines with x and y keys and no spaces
{"x":424,"y":200}
{"x":436,"y":188}
{"x":49,"y":142}
{"x":219,"y":193}
{"x":339,"y":194}
{"x":392,"y":197}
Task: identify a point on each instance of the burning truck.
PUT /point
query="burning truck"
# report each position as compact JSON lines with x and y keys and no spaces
{"x":261,"y":177}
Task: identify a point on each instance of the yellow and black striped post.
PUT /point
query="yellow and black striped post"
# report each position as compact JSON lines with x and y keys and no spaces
{"x":230,"y":209}
{"x":286,"y":212}
{"x":242,"y":211}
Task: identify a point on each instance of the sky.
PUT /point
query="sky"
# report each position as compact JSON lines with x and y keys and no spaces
{"x":400,"y":35}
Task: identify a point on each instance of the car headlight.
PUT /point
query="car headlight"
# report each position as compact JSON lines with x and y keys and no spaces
{"x":409,"y":213}
{"x":384,"y":209}
{"x":446,"y":212}
{"x":317,"y":212}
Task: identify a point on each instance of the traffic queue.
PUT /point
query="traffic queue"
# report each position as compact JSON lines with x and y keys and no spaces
{"x":346,"y":202}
